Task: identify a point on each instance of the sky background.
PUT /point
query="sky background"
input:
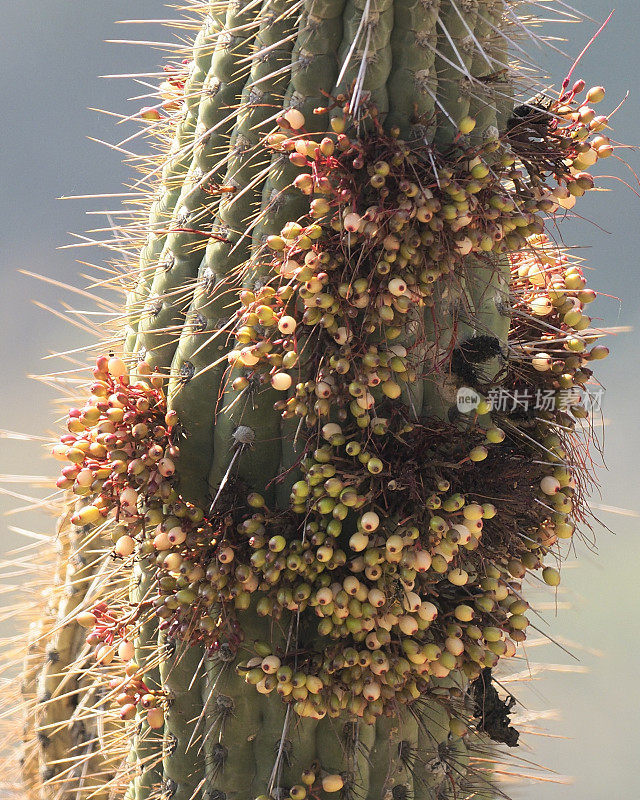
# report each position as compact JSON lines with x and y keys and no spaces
{"x":51,"y":54}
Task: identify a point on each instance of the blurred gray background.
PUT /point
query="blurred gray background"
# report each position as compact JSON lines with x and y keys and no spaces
{"x":51,"y":52}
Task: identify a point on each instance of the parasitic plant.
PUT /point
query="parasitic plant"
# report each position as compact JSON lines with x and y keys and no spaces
{"x":341,"y":423}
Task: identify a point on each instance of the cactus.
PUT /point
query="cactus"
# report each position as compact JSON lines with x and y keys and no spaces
{"x":305,"y":492}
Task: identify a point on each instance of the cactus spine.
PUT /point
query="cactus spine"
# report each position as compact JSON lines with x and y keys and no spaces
{"x":348,"y":232}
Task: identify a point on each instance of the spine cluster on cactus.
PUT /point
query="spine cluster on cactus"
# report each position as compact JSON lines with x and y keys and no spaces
{"x":345,"y":421}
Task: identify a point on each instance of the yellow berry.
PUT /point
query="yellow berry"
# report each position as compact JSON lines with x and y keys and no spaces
{"x":551,"y":576}
{"x":332,"y":783}
{"x":466,"y":125}
{"x":478,"y":453}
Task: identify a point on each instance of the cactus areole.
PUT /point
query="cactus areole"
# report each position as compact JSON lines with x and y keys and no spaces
{"x":343,"y":422}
